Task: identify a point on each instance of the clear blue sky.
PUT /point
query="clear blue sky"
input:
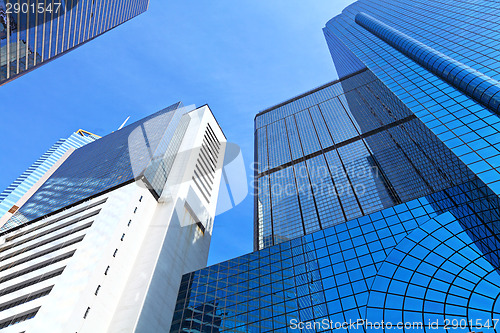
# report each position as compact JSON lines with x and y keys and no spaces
{"x":239,"y":57}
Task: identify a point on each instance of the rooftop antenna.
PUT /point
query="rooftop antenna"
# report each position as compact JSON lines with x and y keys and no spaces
{"x":119,"y":128}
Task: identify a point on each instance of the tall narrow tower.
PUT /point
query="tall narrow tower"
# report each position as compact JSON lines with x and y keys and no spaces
{"x":17,"y":193}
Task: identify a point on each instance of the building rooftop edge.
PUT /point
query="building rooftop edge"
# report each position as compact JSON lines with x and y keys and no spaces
{"x":308,"y":92}
{"x":341,"y":13}
{"x":224,"y":134}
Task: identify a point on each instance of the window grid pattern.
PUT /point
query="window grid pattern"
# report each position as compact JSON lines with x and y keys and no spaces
{"x":286,"y":217}
{"x":307,"y":132}
{"x":473,"y":83}
{"x":464,"y":31}
{"x":307,"y":200}
{"x":376,"y":154}
{"x":363,"y":176}
{"x":382,"y":266}
{"x":277,"y":143}
{"x":293,"y":138}
{"x":99,"y":166}
{"x":460,"y":283}
{"x":27,"y":41}
{"x":325,"y":193}
{"x":264,"y":212}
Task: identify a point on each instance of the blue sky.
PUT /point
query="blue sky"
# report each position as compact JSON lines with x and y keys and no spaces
{"x":239,"y":57}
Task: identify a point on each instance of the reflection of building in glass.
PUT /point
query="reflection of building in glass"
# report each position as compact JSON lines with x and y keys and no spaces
{"x":377,"y":194}
{"x":432,"y":67}
{"x":330,"y":155}
{"x":102,"y":244}
{"x":397,"y":264}
{"x":21,"y":189}
{"x":42,"y":30}
{"x":85,"y":175}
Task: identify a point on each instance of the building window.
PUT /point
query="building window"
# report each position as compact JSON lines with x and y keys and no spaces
{"x":135,"y":210}
{"x":201,"y":227}
{"x":140,"y":199}
{"x":123,"y":236}
{"x":129,"y":222}
{"x":13,"y":209}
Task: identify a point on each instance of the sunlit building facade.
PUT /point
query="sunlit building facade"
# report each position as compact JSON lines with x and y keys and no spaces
{"x":26,"y":184}
{"x":103,"y":243}
{"x":32,"y":33}
{"x":329,"y":156}
{"x":377,"y":195}
{"x":440,"y":59}
{"x":420,"y":219}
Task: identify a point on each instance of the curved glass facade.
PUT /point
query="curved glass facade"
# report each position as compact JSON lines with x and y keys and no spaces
{"x":465,"y":32}
{"x":418,"y":250}
{"x":429,"y":260}
{"x":473,"y":83}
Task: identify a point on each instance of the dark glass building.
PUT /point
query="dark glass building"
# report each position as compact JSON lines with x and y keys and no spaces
{"x":339,"y":152}
{"x":34,"y":32}
{"x":395,"y":225}
{"x":377,"y":195}
{"x":101,"y":166}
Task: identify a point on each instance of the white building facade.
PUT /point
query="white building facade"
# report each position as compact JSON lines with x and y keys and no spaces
{"x":113,"y":262}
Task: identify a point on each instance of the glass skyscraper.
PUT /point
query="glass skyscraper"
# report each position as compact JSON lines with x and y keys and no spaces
{"x":441,"y":59}
{"x":342,"y":151}
{"x":14,"y":192}
{"x":376,"y":203}
{"x":34,"y":32}
{"x":96,"y":168}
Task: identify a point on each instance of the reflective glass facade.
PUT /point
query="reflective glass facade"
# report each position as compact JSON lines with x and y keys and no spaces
{"x":429,"y":53}
{"x":419,"y":246}
{"x":113,"y":160}
{"x":414,"y":245}
{"x":344,"y":150}
{"x":27,"y":179}
{"x":429,"y":260}
{"x":32,"y":32}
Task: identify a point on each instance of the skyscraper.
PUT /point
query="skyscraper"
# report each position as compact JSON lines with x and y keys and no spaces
{"x":27,"y":183}
{"x":440,"y":58}
{"x":362,"y":202}
{"x":376,"y":203}
{"x":32,"y":33}
{"x":329,"y":155}
{"x":101,"y":246}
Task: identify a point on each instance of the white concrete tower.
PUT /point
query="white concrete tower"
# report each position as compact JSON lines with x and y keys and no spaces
{"x":109,"y":258}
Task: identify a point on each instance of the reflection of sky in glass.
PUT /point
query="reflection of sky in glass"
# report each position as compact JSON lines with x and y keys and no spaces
{"x":92,"y":169}
{"x":375,"y":154}
{"x":450,"y":109}
{"x":438,"y":251}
